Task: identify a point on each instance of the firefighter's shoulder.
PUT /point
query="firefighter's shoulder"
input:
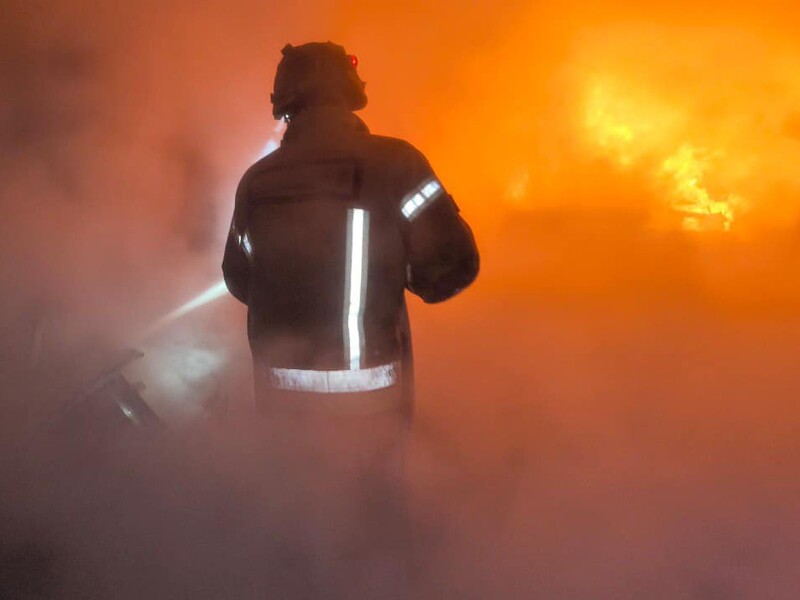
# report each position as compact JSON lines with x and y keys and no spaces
{"x":398,"y":151}
{"x":263,"y":165}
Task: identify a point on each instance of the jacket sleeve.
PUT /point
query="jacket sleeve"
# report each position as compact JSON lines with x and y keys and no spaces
{"x":441,"y":255}
{"x":236,"y":262}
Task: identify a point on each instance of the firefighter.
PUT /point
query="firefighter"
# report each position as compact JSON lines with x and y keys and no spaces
{"x":327,"y":234}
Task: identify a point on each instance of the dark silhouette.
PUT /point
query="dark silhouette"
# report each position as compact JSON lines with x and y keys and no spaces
{"x":328,"y":232}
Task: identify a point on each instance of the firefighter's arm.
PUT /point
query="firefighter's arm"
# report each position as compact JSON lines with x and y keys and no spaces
{"x":236,"y":262}
{"x":441,"y":255}
{"x":442,"y":258}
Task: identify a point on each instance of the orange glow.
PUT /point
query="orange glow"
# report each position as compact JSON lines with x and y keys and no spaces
{"x":697,"y":125}
{"x":702,"y":113}
{"x":634,"y":127}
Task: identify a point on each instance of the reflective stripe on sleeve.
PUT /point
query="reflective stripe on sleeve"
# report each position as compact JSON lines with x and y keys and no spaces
{"x":332,"y":382}
{"x":420,"y":198}
{"x":245,"y":244}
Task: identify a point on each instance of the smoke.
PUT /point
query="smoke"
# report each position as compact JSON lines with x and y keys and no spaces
{"x":609,"y":413}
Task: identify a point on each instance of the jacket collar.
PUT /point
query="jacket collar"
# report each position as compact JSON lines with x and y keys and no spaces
{"x":323,"y":120}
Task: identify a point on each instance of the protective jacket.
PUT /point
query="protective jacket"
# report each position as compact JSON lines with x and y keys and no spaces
{"x":328,"y":231}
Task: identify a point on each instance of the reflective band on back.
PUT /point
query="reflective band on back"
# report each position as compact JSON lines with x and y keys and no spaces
{"x":355,"y":288}
{"x":419,"y":198}
{"x":332,"y":382}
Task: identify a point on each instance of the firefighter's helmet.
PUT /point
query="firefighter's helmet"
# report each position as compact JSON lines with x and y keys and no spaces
{"x":313,"y":74}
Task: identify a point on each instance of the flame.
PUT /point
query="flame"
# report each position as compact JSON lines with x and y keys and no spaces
{"x":685,"y":171}
{"x":626,"y":123}
{"x":637,"y":130}
{"x":707,"y":116}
